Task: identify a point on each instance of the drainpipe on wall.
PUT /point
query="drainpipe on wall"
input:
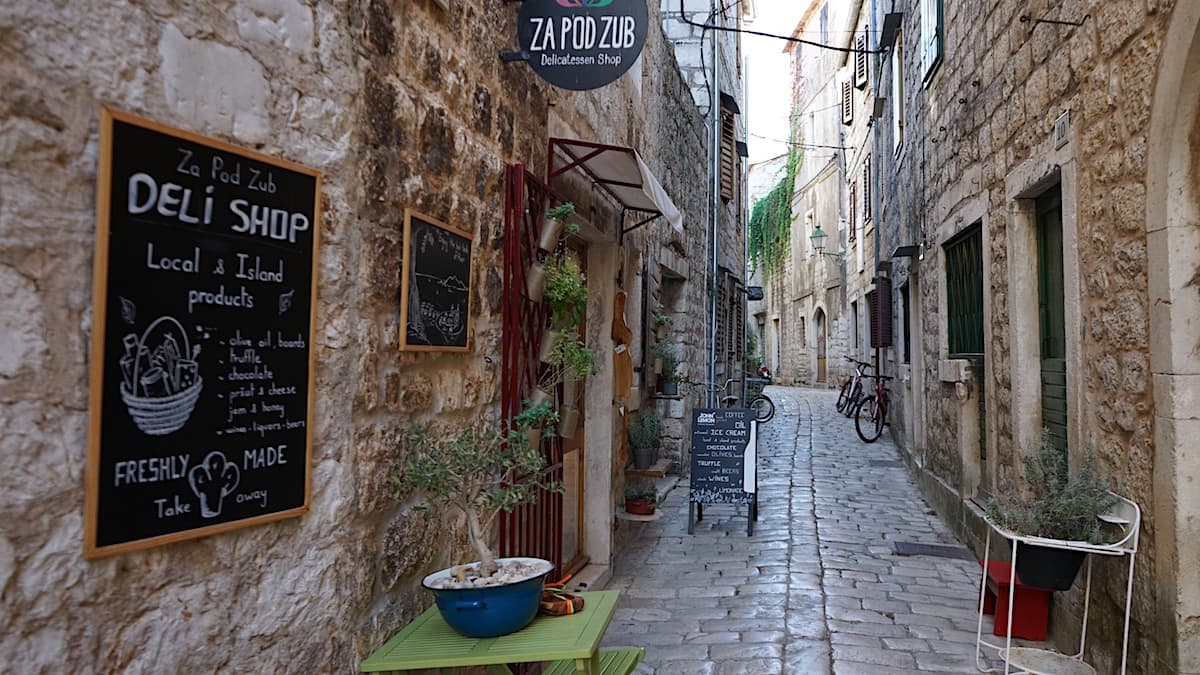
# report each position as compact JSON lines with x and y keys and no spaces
{"x":879,"y":225}
{"x":715,"y":205}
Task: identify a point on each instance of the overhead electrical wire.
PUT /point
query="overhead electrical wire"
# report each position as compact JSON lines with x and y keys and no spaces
{"x":787,"y":38}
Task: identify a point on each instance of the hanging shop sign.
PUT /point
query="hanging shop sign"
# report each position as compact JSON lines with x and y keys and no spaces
{"x":582,"y":44}
{"x":202,"y":360}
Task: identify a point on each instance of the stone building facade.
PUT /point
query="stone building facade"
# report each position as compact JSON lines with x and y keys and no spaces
{"x":396,"y":110}
{"x":998,"y":127}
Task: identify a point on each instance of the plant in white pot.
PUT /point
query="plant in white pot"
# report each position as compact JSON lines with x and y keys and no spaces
{"x":1057,"y":505}
{"x":480,"y":472}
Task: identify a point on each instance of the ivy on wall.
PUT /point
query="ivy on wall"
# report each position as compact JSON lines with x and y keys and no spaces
{"x":771,"y":221}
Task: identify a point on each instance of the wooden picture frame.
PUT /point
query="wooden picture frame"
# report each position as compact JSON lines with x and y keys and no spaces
{"x":175,"y":265}
{"x":436,"y":285}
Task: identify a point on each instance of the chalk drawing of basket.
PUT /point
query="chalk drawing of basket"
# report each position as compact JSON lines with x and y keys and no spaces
{"x":168,"y":410}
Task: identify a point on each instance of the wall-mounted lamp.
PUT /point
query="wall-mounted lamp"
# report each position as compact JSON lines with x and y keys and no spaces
{"x":818,"y":238}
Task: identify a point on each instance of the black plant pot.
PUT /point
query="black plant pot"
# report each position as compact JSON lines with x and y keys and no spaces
{"x":643,"y":458}
{"x":1050,"y":568}
{"x":670,"y":388}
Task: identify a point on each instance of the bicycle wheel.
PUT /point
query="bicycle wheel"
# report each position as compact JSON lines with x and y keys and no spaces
{"x":854,"y":400}
{"x":763,"y":407}
{"x":868,"y":419}
{"x":843,"y":397}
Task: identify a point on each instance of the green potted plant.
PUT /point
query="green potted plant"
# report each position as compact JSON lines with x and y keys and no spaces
{"x":668,"y":374}
{"x":568,"y":362}
{"x":480,"y":472}
{"x":534,"y":418}
{"x":640,"y":500}
{"x":566,"y":296}
{"x":1057,"y":505}
{"x":645,"y":434}
{"x":661,"y":320}
{"x":556,"y":226}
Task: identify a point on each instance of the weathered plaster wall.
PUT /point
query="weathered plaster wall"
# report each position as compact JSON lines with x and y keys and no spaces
{"x":971,"y":134}
{"x":396,"y":110}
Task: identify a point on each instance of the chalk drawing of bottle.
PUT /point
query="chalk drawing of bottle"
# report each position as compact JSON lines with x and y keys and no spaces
{"x":160,"y":380}
{"x":212,"y":480}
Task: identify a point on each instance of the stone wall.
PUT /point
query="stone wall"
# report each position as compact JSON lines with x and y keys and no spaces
{"x":397,"y":111}
{"x":977,"y":140}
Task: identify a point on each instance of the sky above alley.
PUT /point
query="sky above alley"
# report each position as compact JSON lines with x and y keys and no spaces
{"x":768,"y":77}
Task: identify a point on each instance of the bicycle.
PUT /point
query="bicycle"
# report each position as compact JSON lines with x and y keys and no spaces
{"x":852,"y":388}
{"x":760,"y":404}
{"x":871,"y":413}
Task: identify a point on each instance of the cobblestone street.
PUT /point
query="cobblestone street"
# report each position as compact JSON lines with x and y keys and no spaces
{"x":819,"y":587}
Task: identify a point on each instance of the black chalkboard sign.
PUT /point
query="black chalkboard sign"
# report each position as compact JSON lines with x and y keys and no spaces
{"x":201,"y":394}
{"x":435,"y":305}
{"x":724,"y":471}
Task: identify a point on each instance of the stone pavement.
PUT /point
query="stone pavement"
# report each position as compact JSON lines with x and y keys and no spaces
{"x":818,"y":588}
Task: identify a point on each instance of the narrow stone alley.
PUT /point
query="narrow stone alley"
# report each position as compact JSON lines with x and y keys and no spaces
{"x":819,"y":588}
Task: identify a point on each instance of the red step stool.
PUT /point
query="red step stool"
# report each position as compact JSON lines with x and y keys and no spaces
{"x":1031,"y":605}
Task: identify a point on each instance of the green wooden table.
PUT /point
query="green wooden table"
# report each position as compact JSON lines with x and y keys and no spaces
{"x":428,"y":642}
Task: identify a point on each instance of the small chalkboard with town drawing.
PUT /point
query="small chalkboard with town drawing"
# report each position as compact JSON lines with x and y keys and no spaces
{"x":436,"y":290}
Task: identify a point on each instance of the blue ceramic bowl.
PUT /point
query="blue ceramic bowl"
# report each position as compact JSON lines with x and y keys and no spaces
{"x":491,"y":611}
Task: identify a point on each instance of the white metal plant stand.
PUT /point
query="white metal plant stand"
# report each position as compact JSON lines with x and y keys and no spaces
{"x":1127,"y":518}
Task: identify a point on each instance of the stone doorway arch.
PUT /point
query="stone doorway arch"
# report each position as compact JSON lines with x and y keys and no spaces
{"x":1173,"y":261}
{"x":819,"y":354}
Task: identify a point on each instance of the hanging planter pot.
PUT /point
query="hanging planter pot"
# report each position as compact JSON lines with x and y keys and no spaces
{"x":550,"y":233}
{"x":1050,"y":568}
{"x":568,"y":422}
{"x":549,"y":337}
{"x":534,"y":436}
{"x":540,"y":396}
{"x":570,"y":392}
{"x":535,"y":281}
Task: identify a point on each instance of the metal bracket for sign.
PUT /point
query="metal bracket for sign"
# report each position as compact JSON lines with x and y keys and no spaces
{"x":509,"y":57}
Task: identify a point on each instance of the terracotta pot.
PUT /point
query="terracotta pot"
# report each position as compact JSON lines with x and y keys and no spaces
{"x":535,"y":281}
{"x":568,"y":422}
{"x":550,"y":232}
{"x":548,"y":339}
{"x":641,"y":507}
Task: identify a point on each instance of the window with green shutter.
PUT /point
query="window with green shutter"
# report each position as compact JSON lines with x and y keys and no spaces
{"x":964,"y":293}
{"x":1051,"y":313}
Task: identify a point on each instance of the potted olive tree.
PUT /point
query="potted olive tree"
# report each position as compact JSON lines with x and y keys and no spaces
{"x":481,"y":472}
{"x":645,"y":433}
{"x":1057,"y":505}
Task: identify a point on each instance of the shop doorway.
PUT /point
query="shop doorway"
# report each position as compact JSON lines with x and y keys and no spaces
{"x":819,"y":323}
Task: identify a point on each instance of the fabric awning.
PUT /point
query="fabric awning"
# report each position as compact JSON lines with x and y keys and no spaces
{"x":620,"y":172}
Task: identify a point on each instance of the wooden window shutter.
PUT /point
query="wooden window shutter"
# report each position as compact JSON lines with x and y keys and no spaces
{"x":728,"y":155}
{"x":866,"y":191}
{"x":881,"y":313}
{"x":847,"y":103}
{"x":860,"y":60}
{"x":853,"y":233}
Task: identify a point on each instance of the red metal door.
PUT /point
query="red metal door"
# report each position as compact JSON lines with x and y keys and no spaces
{"x":533,"y":529}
